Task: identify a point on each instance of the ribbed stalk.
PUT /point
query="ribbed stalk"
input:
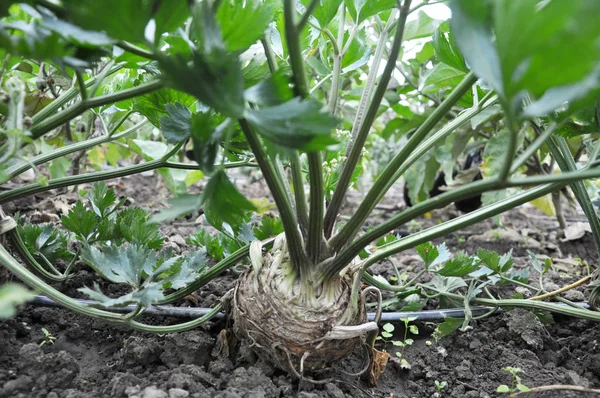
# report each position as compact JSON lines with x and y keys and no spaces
{"x":386,"y":179}
{"x":362,"y":125}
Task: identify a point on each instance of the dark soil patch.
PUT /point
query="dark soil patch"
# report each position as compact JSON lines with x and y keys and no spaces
{"x":91,"y":358}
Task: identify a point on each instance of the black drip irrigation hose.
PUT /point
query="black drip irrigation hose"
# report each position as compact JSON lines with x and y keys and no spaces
{"x":193,"y":312}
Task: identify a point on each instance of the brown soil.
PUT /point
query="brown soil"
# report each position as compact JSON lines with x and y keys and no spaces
{"x":93,"y":359}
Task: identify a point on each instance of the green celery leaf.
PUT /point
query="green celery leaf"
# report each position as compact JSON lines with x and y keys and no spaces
{"x":123,"y":20}
{"x":150,"y":294}
{"x":224,"y":203}
{"x":295,"y":124}
{"x":175,"y":125}
{"x":80,"y":220}
{"x":215,"y":79}
{"x":243,"y":23}
{"x":272,"y":90}
{"x":211,"y":74}
{"x":207,"y":138}
{"x":446,"y":328}
{"x":494,"y":261}
{"x":441,"y":77}
{"x":184,"y":272}
{"x":360,"y":10}
{"x":460,"y":265}
{"x":206,"y":241}
{"x":133,"y":226}
{"x":473,"y":35}
{"x":423,"y":26}
{"x":124,"y":264}
{"x":179,"y":206}
{"x":446,"y":50}
{"x":153,"y":105}
{"x":46,"y":240}
{"x":103,"y":200}
{"x":325,"y":11}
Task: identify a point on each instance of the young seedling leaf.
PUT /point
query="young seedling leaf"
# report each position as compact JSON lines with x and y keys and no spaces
{"x":295,"y":124}
{"x":503,"y":388}
{"x":388,"y":327}
{"x":494,"y":262}
{"x":447,"y":284}
{"x":223,"y":203}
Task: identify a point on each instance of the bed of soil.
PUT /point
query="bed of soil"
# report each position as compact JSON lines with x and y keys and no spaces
{"x":91,"y":358}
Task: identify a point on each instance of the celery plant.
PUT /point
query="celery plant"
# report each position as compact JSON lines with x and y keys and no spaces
{"x":518,"y":68}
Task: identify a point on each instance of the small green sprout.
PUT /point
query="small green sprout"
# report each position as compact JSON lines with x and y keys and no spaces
{"x":48,"y":337}
{"x":440,"y":385}
{"x":515,"y":384}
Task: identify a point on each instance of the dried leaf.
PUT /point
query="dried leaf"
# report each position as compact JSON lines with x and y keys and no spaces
{"x":379,"y":360}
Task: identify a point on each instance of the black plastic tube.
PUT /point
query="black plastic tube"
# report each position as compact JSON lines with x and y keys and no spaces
{"x":194,"y":312}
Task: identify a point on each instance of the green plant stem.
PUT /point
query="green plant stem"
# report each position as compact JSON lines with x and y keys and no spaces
{"x":362,"y":125}
{"x":567,"y":163}
{"x":299,"y":194}
{"x":290,"y":225}
{"x":82,"y":85}
{"x":533,"y":147}
{"x":209,"y":275}
{"x":34,"y":188}
{"x":347,"y":255}
{"x":46,"y":125}
{"x":315,"y":241}
{"x":132,"y":48}
{"x":101,"y":76}
{"x":315,"y":246}
{"x":522,"y":303}
{"x":68,"y":95}
{"x":52,"y":274}
{"x":309,"y":10}
{"x":21,"y":167}
{"x":37,"y":284}
{"x":536,"y":290}
{"x":463,"y":221}
{"x":294,"y":48}
{"x":270,"y":55}
{"x":390,"y":173}
{"x":337,"y":64}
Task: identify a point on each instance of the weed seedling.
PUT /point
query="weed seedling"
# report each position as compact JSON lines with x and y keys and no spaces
{"x":48,"y":337}
{"x":515,"y":384}
{"x":440,"y":385}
